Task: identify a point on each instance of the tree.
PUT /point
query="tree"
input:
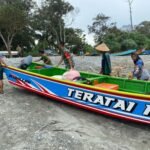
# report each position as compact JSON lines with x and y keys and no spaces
{"x":130,"y":10}
{"x":100,"y":27}
{"x":13,"y":18}
{"x":129,"y":44}
{"x":25,"y":38}
{"x":147,"y":44}
{"x":139,"y":38}
{"x":112,"y":41}
{"x":49,"y":20}
{"x":144,"y":28}
{"x":74,"y":36}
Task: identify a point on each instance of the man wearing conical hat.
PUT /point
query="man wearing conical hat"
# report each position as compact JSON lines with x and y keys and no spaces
{"x":106,"y":63}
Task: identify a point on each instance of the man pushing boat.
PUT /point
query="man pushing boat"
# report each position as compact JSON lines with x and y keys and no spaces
{"x":66,"y":57}
{"x":2,"y":63}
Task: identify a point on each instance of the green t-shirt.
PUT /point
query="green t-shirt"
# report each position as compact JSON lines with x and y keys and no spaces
{"x":46,"y":60}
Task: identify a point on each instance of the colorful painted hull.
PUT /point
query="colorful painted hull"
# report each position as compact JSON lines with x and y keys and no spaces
{"x":123,"y":105}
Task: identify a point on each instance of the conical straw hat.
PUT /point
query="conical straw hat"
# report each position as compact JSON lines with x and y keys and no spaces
{"x":102,"y":47}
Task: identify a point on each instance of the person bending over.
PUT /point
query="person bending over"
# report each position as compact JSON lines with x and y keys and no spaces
{"x":44,"y":57}
{"x":66,"y":57}
{"x":139,"y":72}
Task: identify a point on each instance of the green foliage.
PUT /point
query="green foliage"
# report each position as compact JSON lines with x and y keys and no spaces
{"x":24,"y":38}
{"x":147,"y":44}
{"x":34,"y":52}
{"x":144,"y":28}
{"x":88,"y":48}
{"x":11,"y":18}
{"x":138,"y":38}
{"x":129,"y":44}
{"x":119,"y":40}
{"x":74,"y":36}
{"x":114,"y":46}
{"x":42,"y":45}
{"x":19,"y":24}
{"x":49,"y":20}
{"x":85,"y":48}
{"x":14,"y":16}
{"x":100,"y":27}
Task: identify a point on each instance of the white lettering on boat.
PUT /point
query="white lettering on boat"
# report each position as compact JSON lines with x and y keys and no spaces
{"x":108,"y":101}
{"x":88,"y":96}
{"x":147,"y":110}
{"x":99,"y":100}
{"x":78,"y":94}
{"x":131,"y":105}
{"x":120,"y":104}
{"x":102,"y":100}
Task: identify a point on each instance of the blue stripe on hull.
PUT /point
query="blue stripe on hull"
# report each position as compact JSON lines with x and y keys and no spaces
{"x":129,"y":108}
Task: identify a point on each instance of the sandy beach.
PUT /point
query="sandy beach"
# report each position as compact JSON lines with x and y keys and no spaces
{"x":32,"y":122}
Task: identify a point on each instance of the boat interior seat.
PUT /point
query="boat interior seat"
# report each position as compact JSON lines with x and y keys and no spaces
{"x":96,"y":80}
{"x":107,"y":86}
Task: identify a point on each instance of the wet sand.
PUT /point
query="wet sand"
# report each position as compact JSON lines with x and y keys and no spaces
{"x":32,"y":122}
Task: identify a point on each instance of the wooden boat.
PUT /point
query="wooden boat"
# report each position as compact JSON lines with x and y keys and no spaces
{"x":116,"y":97}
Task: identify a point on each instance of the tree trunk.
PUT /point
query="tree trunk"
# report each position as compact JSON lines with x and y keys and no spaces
{"x":7,"y":43}
{"x":56,"y":34}
{"x":9,"y":49}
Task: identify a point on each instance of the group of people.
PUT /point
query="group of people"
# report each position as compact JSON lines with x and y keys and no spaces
{"x":65,"y":56}
{"x":139,"y":72}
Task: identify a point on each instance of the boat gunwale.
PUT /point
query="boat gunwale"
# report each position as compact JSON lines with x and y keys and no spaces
{"x":88,"y":87}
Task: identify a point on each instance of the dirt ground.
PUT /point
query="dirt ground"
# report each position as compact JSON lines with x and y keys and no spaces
{"x":32,"y":122}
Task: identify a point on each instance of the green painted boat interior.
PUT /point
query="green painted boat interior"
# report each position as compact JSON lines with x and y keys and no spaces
{"x":132,"y":86}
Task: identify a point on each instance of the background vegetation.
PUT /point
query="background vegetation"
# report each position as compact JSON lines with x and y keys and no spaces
{"x":23,"y":23}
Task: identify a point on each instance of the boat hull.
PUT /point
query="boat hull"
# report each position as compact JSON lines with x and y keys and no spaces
{"x":106,"y":102}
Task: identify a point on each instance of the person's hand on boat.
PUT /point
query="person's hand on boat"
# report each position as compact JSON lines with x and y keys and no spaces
{"x":4,"y":65}
{"x":130,"y":76}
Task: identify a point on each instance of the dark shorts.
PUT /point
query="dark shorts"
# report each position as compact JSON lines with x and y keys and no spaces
{"x":1,"y":73}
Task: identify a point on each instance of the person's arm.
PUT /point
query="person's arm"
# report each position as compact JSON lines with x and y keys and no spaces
{"x":136,"y":70}
{"x":130,"y":75}
{"x":48,"y":61}
{"x":138,"y":67}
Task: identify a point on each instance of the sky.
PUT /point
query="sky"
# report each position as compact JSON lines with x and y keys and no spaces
{"x":117,"y":10}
